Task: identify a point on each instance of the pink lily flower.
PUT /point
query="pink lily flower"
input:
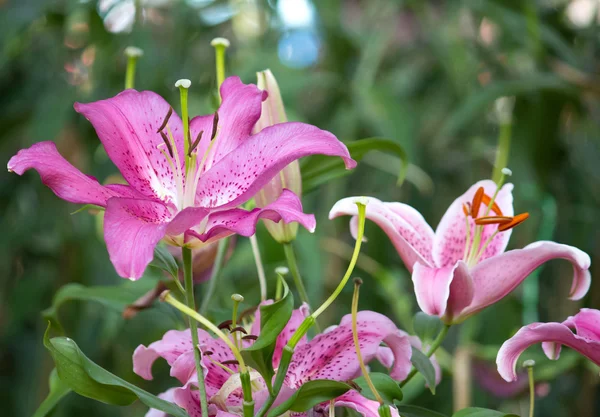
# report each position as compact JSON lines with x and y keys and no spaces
{"x":164,"y":200}
{"x":585,"y":340}
{"x":458,"y":270}
{"x":330,"y":355}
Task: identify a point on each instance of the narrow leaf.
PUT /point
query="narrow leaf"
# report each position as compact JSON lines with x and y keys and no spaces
{"x":90,"y":380}
{"x":386,"y":386}
{"x":481,"y":412}
{"x":311,"y":394}
{"x":58,"y":390}
{"x":319,"y":169}
{"x":165,"y":261}
{"x":423,"y":364}
{"x":273,"y":319}
{"x":427,"y":327}
{"x":414,"y":411}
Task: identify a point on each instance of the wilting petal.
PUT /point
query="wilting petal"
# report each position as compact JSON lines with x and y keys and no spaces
{"x":127,"y":125}
{"x":167,"y":396}
{"x":332,"y":355}
{"x":413,"y":243}
{"x":443,"y":292}
{"x":542,"y":332}
{"x":132,"y":228}
{"x":287,"y":208}
{"x":451,"y":233}
{"x":494,"y":278}
{"x":243,"y":172}
{"x":66,"y":181}
{"x":355,"y":401}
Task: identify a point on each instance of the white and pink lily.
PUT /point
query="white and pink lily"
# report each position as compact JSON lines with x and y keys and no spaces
{"x":185,"y":204}
{"x":585,"y":340}
{"x":458,"y":270}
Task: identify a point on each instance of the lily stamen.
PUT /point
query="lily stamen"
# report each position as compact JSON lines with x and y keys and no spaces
{"x":517,"y":220}
{"x":225,"y":325}
{"x":483,"y":221}
{"x":477,"y":198}
{"x":166,"y":141}
{"x":215,"y":125}
{"x":166,"y":120}
{"x":196,"y":142}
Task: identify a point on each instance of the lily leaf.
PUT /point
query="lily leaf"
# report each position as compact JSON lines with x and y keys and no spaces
{"x":273,"y":318}
{"x":58,"y":390}
{"x":165,"y":261}
{"x":88,"y":379}
{"x":427,"y":327}
{"x":386,"y":386}
{"x":319,"y":169}
{"x":311,"y":394}
{"x":481,"y":412}
{"x":424,"y":366}
{"x":414,"y":411}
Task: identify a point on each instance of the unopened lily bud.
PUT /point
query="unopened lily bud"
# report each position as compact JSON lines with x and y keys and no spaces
{"x":273,"y":112}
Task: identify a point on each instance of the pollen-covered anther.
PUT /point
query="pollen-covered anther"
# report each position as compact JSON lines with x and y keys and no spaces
{"x":517,"y":220}
{"x":482,"y":221}
{"x":486,"y":200}
{"x":477,"y":199}
{"x":466,"y":209}
{"x":225,"y":325}
{"x":230,"y":362}
{"x":238,"y":329}
{"x":250,"y":337}
{"x":167,"y":143}
{"x":207,"y":352}
{"x":165,"y":120}
{"x":215,"y":125}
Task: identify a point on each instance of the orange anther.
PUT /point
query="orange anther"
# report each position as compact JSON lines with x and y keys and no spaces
{"x":482,"y":221}
{"x":466,"y":210}
{"x":495,"y":208}
{"x":477,"y":202}
{"x":518,"y":219}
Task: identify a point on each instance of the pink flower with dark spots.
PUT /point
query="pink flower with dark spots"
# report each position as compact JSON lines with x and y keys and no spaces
{"x":462,"y":267}
{"x":330,"y":355}
{"x":585,"y":340}
{"x":163,"y":199}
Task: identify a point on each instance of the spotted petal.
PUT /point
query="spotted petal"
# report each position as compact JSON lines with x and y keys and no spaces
{"x":368,"y":408}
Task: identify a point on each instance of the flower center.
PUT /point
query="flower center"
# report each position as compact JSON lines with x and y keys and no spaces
{"x":474,"y":249}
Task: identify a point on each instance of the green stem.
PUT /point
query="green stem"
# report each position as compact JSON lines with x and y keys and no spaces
{"x":288,"y":349}
{"x":132,"y":54}
{"x":186,"y":126}
{"x":503,"y":150}
{"x":434,"y":346}
{"x":531,"y":391}
{"x":262,"y":281}
{"x":189,"y":292}
{"x":291,"y":260}
{"x":214,"y":276}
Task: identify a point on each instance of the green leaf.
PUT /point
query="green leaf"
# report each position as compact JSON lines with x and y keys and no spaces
{"x":58,"y":389}
{"x":273,"y":318}
{"x":427,"y":327}
{"x":90,"y":380}
{"x":386,"y":386}
{"x":311,"y":394}
{"x":481,"y":412}
{"x":414,"y":411}
{"x":319,"y":169}
{"x":165,"y":261}
{"x":115,"y":297}
{"x":423,"y":364}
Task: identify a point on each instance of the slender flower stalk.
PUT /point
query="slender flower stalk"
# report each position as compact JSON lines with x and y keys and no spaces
{"x":529,"y":364}
{"x":288,"y":350}
{"x":291,"y":260}
{"x":188,"y":279}
{"x":132,"y":54}
{"x":248,"y":404}
{"x":214,"y":276}
{"x":262,"y":280}
{"x":363,"y":368}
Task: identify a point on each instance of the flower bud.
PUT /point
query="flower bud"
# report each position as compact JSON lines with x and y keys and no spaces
{"x":272,"y":113}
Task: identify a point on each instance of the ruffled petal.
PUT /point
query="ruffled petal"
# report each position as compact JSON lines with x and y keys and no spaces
{"x":244,"y":171}
{"x":496,"y":277}
{"x":451,"y":233}
{"x":132,"y":228}
{"x":332,"y":355}
{"x":66,"y":181}
{"x":127,"y":126}
{"x":408,"y":231}
{"x":556,"y":333}
{"x":287,"y":208}
{"x":443,"y":292}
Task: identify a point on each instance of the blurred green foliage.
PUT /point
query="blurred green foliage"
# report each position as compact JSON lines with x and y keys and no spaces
{"x":426,"y":74}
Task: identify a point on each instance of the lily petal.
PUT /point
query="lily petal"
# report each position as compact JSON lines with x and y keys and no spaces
{"x":443,"y":292}
{"x":167,"y":396}
{"x":332,"y":355}
{"x":132,"y":228}
{"x":127,"y":126}
{"x":66,"y":181}
{"x":355,"y":401}
{"x":238,"y":221}
{"x":496,"y":277}
{"x":244,"y":171}
{"x":409,"y":233}
{"x":542,"y":332}
{"x":586,"y":323}
{"x":451,"y":233}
